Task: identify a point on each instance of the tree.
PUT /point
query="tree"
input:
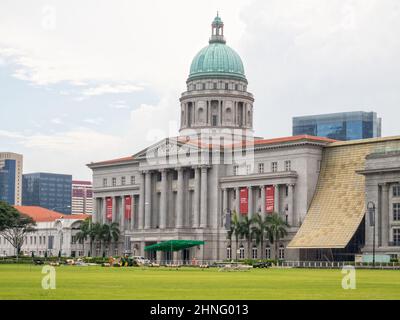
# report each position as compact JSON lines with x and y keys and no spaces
{"x":110,"y":233}
{"x":277,"y":229}
{"x":259,"y":230}
{"x":94,"y":234}
{"x":14,"y":226}
{"x":83,"y":233}
{"x":246,"y":232}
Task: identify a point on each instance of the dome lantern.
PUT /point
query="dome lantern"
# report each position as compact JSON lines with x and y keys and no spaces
{"x":217,"y":31}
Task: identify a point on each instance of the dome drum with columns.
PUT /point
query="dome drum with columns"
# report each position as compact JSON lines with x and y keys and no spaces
{"x":216,"y":96}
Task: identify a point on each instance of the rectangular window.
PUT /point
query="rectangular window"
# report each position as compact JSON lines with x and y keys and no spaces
{"x":105,"y":182}
{"x":133,"y":180}
{"x":281,"y":253}
{"x":268,"y":253}
{"x":288,"y":165}
{"x":235,"y":170}
{"x":396,"y":190}
{"x":123,"y":181}
{"x":396,"y":211}
{"x":214,"y":120}
{"x":114,"y":182}
{"x":241,"y":253}
{"x":319,"y":165}
{"x":248,"y":169}
{"x":254,"y":253}
{"x":261,"y":168}
{"x":274,"y":166}
{"x":396,"y":236}
{"x":229,"y":253}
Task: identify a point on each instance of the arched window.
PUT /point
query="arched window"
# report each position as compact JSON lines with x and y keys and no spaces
{"x":268,"y":252}
{"x":228,"y":115}
{"x":281,"y":252}
{"x":241,"y":252}
{"x":254,"y":253}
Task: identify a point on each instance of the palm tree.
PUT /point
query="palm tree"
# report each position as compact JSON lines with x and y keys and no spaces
{"x":277,"y":229}
{"x":83,"y":233}
{"x":236,"y":226}
{"x":259,"y":230}
{"x":245,"y":230}
{"x":94,"y":234}
{"x":110,"y":233}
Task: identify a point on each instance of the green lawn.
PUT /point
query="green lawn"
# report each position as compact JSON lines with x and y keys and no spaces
{"x":24,"y":282}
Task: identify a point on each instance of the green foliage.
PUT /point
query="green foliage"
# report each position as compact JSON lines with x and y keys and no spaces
{"x":14,"y":225}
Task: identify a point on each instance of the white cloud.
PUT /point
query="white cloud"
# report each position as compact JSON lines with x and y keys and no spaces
{"x":108,"y":88}
{"x":95,"y":121}
{"x":56,"y":121}
{"x":121,"y":104}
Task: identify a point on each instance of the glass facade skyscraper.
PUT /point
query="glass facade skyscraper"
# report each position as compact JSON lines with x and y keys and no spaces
{"x":339,"y":126}
{"x":47,"y":190}
{"x":11,"y":177}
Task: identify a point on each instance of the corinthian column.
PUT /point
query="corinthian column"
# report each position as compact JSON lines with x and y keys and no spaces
{"x":204,"y":182}
{"x":141,"y":203}
{"x":147,"y":205}
{"x":196,"y":211}
{"x":163,"y":200}
{"x":179,"y":199}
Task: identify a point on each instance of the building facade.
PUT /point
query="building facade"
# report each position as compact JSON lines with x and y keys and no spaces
{"x":342,"y":126}
{"x":54,"y":234}
{"x":382,"y":172}
{"x":47,"y":190}
{"x":11,"y":165}
{"x":82,"y":197}
{"x":189,"y":187}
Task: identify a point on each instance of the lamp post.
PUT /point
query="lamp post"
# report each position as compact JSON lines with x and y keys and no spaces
{"x":371,"y":211}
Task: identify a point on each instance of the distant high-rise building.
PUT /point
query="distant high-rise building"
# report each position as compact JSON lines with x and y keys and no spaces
{"x":339,"y":126}
{"x":82,"y":197}
{"x":11,"y":178}
{"x":48,"y":190}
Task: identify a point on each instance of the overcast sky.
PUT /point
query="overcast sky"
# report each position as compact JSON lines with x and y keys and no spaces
{"x":91,"y":80}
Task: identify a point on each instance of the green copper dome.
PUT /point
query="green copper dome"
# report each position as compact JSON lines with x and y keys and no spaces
{"x":217,"y":59}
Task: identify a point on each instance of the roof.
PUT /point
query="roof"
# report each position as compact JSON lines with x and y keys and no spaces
{"x":257,"y":142}
{"x":338,"y":206}
{"x":217,"y":60}
{"x":173,"y":245}
{"x":39,"y":214}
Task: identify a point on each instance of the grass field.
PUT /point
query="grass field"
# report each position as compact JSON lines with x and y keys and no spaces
{"x":24,"y":282}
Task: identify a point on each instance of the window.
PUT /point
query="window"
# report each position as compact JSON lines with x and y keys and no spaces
{"x":214,"y":85}
{"x":396,"y":236}
{"x":288,"y":165}
{"x":268,"y":252}
{"x":105,"y":182}
{"x":261,"y":168}
{"x":248,"y":169}
{"x":396,"y":190}
{"x":226,"y":86}
{"x":214,"y":120}
{"x":133,"y":180}
{"x":241,"y":253}
{"x":235,"y":170}
{"x":114,"y":182}
{"x":281,"y":252}
{"x":123,"y":181}
{"x":229,"y":253}
{"x":319,"y":165}
{"x":254,"y":253}
{"x":274,"y":166}
{"x":396,"y":211}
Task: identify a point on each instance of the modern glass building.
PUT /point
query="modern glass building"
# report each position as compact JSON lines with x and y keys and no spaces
{"x":10,"y":177}
{"x":339,"y":126}
{"x":47,"y":190}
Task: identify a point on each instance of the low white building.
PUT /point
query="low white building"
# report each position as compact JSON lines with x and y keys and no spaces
{"x":55,"y":232}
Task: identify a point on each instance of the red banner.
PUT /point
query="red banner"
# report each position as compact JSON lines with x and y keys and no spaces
{"x":269,"y":199}
{"x":244,"y":201}
{"x":128,"y":207}
{"x":109,"y":208}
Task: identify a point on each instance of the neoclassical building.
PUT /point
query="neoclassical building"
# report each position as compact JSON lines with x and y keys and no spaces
{"x":188,"y":187}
